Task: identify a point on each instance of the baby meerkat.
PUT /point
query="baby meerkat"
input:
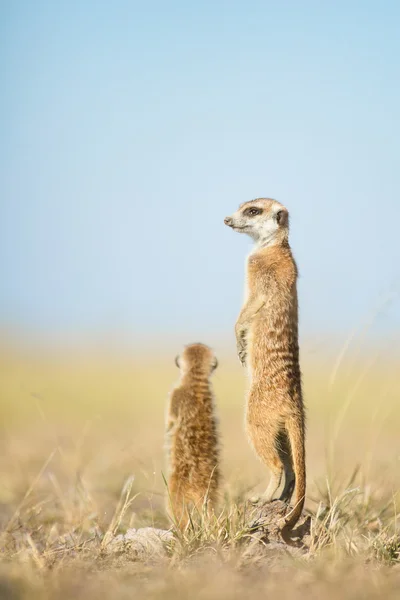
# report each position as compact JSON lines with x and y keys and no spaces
{"x":267,"y":343}
{"x":192,"y":435}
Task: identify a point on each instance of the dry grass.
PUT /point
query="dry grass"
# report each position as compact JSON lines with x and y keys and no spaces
{"x":82,"y":460}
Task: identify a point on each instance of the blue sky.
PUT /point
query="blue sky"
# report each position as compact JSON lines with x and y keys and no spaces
{"x":130,"y":129}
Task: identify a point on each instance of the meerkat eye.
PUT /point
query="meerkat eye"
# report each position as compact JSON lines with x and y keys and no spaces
{"x":253,"y":211}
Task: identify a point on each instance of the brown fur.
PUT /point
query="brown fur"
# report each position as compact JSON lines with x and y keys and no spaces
{"x":192,"y":434}
{"x":267,"y":339}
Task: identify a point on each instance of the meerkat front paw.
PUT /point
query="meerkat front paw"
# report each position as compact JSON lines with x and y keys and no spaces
{"x":241,"y":349}
{"x":242,"y":354}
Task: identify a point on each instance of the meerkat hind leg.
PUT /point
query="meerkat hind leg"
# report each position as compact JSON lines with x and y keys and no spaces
{"x":275,"y":485}
{"x":272,"y":445}
{"x":177,"y":507}
{"x":289,"y":478}
{"x":265,"y":441}
{"x":282,"y":480}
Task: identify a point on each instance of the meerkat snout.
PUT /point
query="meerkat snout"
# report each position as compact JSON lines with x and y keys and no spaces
{"x":228,"y":221}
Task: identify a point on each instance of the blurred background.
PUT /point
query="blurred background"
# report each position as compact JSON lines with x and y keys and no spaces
{"x":129,"y":130}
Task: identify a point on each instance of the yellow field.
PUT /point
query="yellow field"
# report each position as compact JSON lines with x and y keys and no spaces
{"x":78,"y":431}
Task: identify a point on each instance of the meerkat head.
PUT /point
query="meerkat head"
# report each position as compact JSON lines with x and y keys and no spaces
{"x":197,"y":356}
{"x":263,"y":219}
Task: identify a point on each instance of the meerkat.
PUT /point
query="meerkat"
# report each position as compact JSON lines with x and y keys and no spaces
{"x":194,"y":474}
{"x":267,"y":343}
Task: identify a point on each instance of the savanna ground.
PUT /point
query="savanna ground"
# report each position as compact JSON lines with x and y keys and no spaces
{"x":81,"y":460}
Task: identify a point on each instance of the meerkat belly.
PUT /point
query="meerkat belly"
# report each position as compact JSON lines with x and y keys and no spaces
{"x":273,"y":350}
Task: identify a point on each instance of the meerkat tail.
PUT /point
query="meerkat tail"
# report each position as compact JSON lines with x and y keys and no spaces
{"x":295,"y":433}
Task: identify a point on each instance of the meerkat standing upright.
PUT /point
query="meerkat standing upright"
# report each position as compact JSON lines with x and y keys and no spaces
{"x":192,"y":434}
{"x":267,"y":342}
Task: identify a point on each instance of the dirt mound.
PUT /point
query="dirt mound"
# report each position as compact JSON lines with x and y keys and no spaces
{"x":144,"y":543}
{"x":264,"y":533}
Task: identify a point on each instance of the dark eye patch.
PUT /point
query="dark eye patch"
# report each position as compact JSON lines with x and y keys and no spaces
{"x":252,"y":211}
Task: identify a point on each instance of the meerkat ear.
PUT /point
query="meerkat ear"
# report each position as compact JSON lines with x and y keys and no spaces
{"x":282,"y":217}
{"x":177,"y":361}
{"x":215,"y":364}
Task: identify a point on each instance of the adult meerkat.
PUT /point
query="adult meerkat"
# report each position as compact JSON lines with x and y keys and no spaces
{"x":267,"y":342}
{"x":192,"y":435}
